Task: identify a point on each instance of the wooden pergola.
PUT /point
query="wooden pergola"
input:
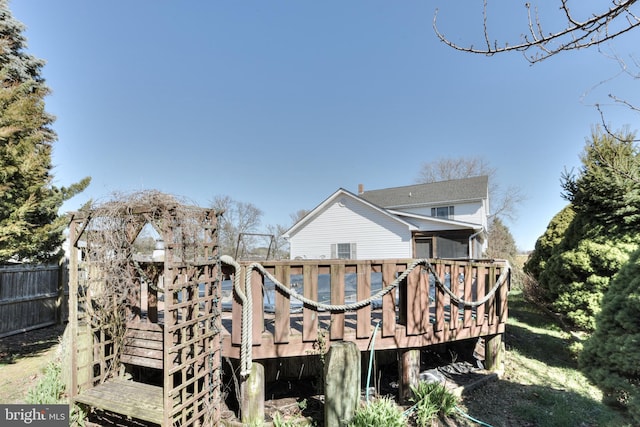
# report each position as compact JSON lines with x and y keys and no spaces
{"x":159,"y":360}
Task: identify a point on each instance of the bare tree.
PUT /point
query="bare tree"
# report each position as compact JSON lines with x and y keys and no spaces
{"x":298,"y":215}
{"x":454,"y":168}
{"x":577,"y":32}
{"x":238,"y":217}
{"x":280,"y":245}
{"x":582,"y":27}
{"x":503,"y":201}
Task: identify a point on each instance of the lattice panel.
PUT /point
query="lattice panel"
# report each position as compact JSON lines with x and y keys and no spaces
{"x":182,"y":300}
{"x":193,"y":327}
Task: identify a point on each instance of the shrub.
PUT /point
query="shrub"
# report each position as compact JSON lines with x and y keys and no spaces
{"x":610,"y":358}
{"x":380,"y":412}
{"x":589,"y":241}
{"x":431,"y":400}
{"x":546,"y":244}
{"x":580,"y":271}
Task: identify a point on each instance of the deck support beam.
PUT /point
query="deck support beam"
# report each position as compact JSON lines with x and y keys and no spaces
{"x":341,"y":383}
{"x":409,"y":367}
{"x":493,"y":352}
{"x":252,"y":396}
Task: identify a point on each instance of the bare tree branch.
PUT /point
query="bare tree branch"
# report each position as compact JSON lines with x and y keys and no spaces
{"x":504,"y":202}
{"x":239,"y":217}
{"x":598,"y":28}
{"x":592,"y":31}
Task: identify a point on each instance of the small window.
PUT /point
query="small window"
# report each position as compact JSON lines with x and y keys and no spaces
{"x":343,"y":250}
{"x":442,"y":212}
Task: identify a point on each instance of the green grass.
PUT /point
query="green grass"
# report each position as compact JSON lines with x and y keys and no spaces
{"x":49,"y":389}
{"x":541,"y":384}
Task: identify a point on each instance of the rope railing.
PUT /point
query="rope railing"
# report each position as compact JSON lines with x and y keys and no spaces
{"x":332,"y":307}
{"x":247,"y":303}
{"x":247,"y":318}
{"x":501,"y":279}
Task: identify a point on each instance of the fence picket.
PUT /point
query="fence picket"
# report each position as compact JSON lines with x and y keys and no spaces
{"x":32,"y":296}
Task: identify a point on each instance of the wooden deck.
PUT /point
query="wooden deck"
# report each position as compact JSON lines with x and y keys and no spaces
{"x":136,"y":400}
{"x":418,"y":313}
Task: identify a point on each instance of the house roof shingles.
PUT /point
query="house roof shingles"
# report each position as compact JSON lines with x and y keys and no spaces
{"x":474,"y":188}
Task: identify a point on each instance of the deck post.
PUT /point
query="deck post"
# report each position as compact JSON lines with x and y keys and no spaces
{"x":493,"y":352}
{"x":341,"y":383}
{"x":252,"y":396}
{"x":409,"y":373}
{"x":84,"y":357}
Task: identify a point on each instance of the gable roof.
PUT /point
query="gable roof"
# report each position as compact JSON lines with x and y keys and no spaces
{"x":455,"y":190}
{"x":341,"y":192}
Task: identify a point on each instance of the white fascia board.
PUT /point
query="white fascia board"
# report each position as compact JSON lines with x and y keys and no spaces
{"x":341,"y":192}
{"x":328,"y":201}
{"x":475,"y":227}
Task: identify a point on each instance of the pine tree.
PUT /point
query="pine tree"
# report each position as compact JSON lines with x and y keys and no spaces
{"x":502,"y":245}
{"x":30,"y":227}
{"x":607,"y":187}
{"x":501,"y":241}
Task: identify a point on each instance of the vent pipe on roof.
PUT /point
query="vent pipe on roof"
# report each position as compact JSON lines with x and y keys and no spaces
{"x":360,"y":188}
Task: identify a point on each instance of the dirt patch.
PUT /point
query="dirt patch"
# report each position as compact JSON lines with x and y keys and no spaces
{"x":23,"y":358}
{"x":297,"y":400}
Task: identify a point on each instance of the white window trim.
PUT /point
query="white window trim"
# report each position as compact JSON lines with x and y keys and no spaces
{"x":352,"y":250}
{"x":450,"y":211}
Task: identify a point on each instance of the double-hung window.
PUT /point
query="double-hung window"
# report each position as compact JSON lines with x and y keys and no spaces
{"x":442,"y":212}
{"x":343,"y":250}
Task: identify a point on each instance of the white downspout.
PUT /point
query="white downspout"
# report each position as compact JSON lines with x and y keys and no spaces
{"x":473,"y":236}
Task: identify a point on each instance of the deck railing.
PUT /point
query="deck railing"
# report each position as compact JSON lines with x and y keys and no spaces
{"x":429,"y":302}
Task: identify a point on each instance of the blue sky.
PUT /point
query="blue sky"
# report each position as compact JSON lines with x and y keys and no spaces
{"x":281,"y":103}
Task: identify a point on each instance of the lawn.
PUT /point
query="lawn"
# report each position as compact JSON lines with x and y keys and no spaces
{"x":541,"y":384}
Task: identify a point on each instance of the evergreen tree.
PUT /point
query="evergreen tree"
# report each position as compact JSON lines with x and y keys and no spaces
{"x":30,"y":227}
{"x":611,"y":356}
{"x":546,"y":243}
{"x":575,"y":266}
{"x":607,"y":187}
{"x":501,"y":241}
{"x":502,"y":245}
{"x":580,"y":269}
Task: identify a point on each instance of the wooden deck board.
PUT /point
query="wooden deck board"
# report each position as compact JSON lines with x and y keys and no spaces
{"x":129,"y":398}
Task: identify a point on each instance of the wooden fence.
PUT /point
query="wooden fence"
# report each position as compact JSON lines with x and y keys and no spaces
{"x":32,"y":296}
